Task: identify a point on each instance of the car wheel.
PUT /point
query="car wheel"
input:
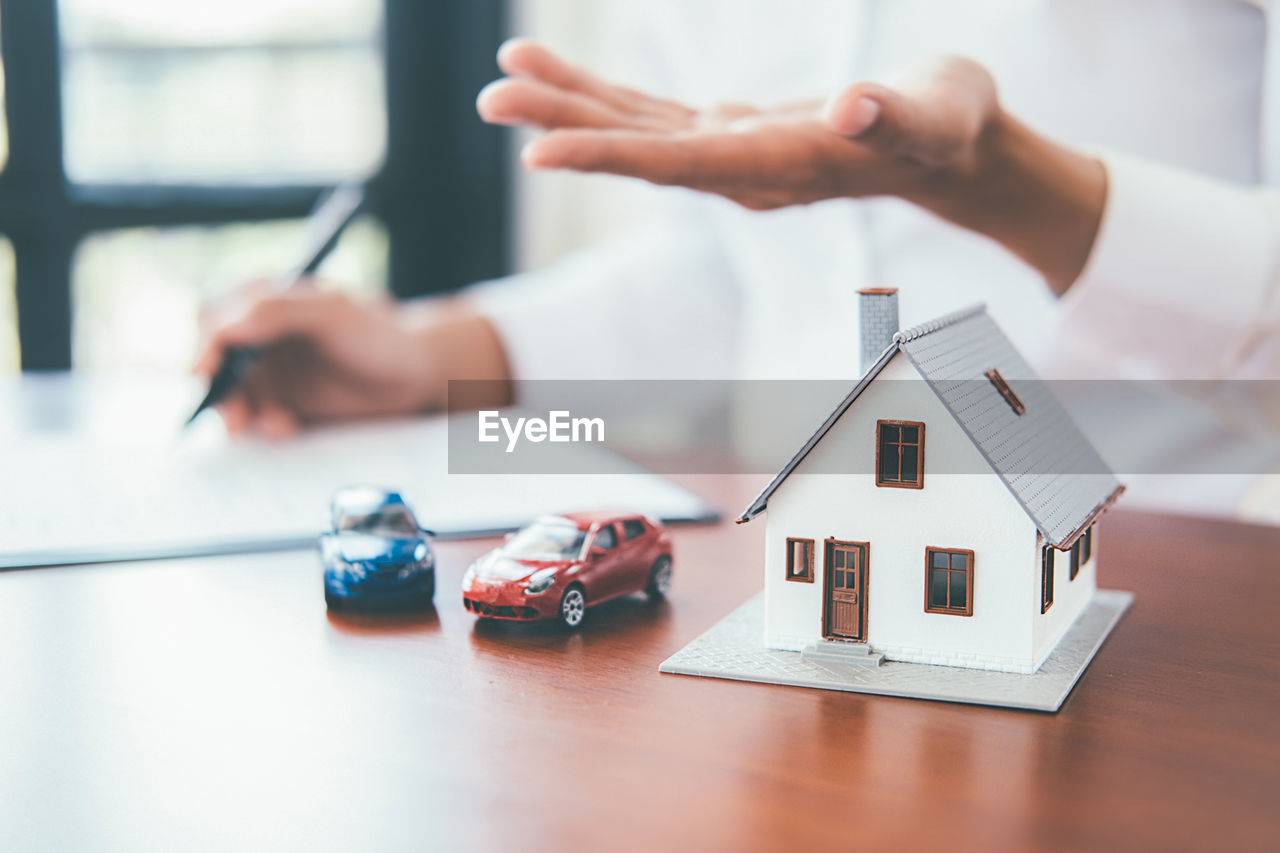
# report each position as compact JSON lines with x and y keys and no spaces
{"x":573,"y":607}
{"x":659,"y":578}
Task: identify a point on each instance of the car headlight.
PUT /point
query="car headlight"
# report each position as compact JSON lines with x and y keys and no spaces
{"x":540,"y":582}
{"x":420,"y":553}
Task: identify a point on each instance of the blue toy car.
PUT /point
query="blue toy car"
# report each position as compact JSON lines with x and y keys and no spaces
{"x":376,"y":555}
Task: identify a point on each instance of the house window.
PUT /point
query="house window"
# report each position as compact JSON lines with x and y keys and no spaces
{"x":800,"y":560}
{"x":948,"y":581}
{"x":1081,"y":552}
{"x":900,"y":454}
{"x":1005,"y":391}
{"x":1046,"y":578}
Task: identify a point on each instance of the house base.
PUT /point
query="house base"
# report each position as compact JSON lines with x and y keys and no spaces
{"x":734,"y":649}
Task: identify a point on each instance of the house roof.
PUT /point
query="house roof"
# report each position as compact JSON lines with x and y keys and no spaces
{"x":1048,"y":465}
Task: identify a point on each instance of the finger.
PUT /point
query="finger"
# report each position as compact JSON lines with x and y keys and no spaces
{"x":852,"y":111}
{"x":237,"y":413}
{"x":893,"y":123}
{"x":514,"y":101}
{"x":775,"y":166}
{"x":716,"y":162}
{"x":274,"y":421}
{"x":219,"y":310}
{"x":262,"y":409}
{"x":524,"y":58}
{"x":658,"y":158}
{"x":206,"y":363}
{"x":931,"y":124}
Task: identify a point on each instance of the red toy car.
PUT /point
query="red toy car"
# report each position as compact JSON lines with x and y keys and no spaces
{"x":560,"y":564}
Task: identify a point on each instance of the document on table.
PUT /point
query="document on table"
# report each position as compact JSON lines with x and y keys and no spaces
{"x":64,"y":500}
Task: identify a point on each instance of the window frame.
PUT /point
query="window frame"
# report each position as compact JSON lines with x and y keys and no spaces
{"x":1048,"y":560}
{"x":1081,"y":551}
{"x":929,"y":606}
{"x":808,"y":577}
{"x":919,"y":481}
{"x":46,"y":216}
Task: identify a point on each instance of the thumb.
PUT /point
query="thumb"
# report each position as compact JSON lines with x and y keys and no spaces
{"x":932,"y":123}
{"x":852,"y":111}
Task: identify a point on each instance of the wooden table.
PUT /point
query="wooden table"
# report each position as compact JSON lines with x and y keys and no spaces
{"x":215,"y":704}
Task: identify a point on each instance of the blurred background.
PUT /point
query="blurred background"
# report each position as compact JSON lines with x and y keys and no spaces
{"x":156,"y":153}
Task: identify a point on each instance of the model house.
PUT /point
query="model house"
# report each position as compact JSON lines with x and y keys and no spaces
{"x":942,"y":514}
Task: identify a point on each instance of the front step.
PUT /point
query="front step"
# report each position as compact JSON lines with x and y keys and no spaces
{"x":859,"y":654}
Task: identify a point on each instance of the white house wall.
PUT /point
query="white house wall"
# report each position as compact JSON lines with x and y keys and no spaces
{"x":954,"y":510}
{"x":1070,"y":597}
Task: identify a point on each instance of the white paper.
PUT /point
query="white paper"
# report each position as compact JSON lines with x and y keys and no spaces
{"x":66,"y":499}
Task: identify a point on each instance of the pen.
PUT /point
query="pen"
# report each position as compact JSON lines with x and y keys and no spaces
{"x":331,"y":215}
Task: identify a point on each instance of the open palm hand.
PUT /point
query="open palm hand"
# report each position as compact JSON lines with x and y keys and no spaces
{"x":867,"y":140}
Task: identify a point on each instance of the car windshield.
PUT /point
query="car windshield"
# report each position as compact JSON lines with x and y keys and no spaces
{"x":545,"y":542}
{"x":394,"y":523}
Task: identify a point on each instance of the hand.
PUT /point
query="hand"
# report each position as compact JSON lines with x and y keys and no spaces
{"x":937,"y":137}
{"x":760,"y":158}
{"x":331,"y":357}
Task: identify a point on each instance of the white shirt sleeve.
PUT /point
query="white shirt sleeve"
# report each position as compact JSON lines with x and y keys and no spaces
{"x":657,"y":302}
{"x":1184,"y":278}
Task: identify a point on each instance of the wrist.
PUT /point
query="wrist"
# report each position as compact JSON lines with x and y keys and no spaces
{"x":1040,"y":200}
{"x":452,"y":343}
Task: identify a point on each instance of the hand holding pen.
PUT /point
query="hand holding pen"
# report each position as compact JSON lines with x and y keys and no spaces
{"x":327,"y":222}
{"x":300,"y":355}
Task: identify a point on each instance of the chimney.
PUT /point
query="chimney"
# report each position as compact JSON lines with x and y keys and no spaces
{"x":878,"y":314}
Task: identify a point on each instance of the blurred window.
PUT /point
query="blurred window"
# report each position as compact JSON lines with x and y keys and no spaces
{"x":240,"y":90}
{"x":245,"y":90}
{"x":4,"y":120}
{"x":160,"y":152}
{"x":8,"y":311}
{"x":138,"y":292}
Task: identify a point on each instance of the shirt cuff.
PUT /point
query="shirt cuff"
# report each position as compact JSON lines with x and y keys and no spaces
{"x":655,"y":303}
{"x":1183,"y":267}
{"x":532,"y":324}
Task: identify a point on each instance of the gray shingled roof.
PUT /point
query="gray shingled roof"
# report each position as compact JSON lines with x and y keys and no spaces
{"x":1042,"y":456}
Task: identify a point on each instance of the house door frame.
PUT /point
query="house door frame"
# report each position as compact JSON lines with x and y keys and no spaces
{"x":863,"y":549}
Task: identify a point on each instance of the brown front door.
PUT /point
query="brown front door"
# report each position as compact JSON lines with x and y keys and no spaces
{"x":845,"y":613}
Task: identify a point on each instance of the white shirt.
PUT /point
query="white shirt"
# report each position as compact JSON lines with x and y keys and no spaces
{"x":1179,"y":98}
